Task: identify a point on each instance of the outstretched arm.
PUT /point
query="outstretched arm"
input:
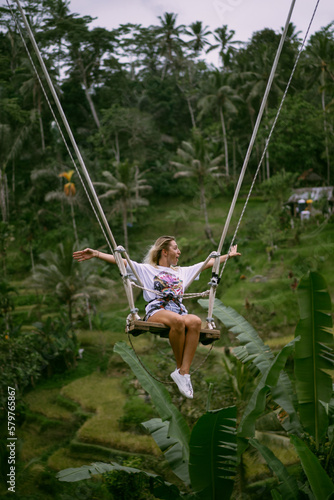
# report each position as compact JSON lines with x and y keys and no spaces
{"x":233,"y":253}
{"x":89,"y":253}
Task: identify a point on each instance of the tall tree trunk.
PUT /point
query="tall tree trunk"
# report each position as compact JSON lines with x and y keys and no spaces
{"x":41,"y":127}
{"x":234,"y":163}
{"x":116,"y":149}
{"x":208,"y":230}
{"x":191,"y":111}
{"x":89,"y":313}
{"x":13,"y":180}
{"x":92,"y":107}
{"x":225,"y":140}
{"x":323,"y":104}
{"x":3,"y":195}
{"x":31,"y":256}
{"x":74,"y":223}
{"x":87,"y":94}
{"x":125,"y":224}
{"x":267,"y":150}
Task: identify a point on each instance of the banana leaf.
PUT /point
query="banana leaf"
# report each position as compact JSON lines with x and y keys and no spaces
{"x":74,"y":474}
{"x":275,"y":495}
{"x":213,"y":454}
{"x":257,"y":402}
{"x":314,"y":354}
{"x":161,"y":489}
{"x":254,"y":351}
{"x":322,"y":486}
{"x":178,"y":427}
{"x":252,"y":347}
{"x":288,"y":486}
{"x":170,"y":447}
{"x":283,"y":395}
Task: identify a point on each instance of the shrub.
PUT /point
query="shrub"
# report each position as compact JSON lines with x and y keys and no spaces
{"x":20,"y":364}
{"x":136,"y":411}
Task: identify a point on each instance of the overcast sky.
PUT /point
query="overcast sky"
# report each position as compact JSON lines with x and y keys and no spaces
{"x":243,"y":16}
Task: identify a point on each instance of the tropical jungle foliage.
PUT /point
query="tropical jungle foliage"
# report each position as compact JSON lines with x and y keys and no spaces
{"x":300,"y":406}
{"x":164,"y":134}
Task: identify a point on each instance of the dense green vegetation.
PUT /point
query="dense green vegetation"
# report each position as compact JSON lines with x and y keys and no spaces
{"x":163,"y":135}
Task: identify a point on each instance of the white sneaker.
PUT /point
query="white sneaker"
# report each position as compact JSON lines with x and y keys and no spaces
{"x":183,"y":382}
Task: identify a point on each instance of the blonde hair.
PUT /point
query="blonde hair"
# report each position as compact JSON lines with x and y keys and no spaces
{"x":153,"y":255}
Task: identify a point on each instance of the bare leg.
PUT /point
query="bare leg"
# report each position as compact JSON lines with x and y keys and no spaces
{"x":183,"y":336}
{"x":177,"y":333}
{"x":193,"y":329}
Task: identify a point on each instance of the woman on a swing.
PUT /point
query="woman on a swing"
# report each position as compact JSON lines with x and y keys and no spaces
{"x":160,"y":272}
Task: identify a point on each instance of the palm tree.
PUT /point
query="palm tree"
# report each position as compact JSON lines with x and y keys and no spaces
{"x":58,"y":23}
{"x":87,"y":50}
{"x":126,"y":187}
{"x":198,"y":35}
{"x":31,"y":88}
{"x":319,"y":65}
{"x":68,"y":194}
{"x":220,"y":96}
{"x":188,"y":85}
{"x":256,"y":77}
{"x":196,"y":161}
{"x":225,"y":44}
{"x":12,"y":140}
{"x":168,"y":38}
{"x":62,"y":277}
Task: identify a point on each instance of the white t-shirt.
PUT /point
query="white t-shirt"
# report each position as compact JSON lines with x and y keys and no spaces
{"x":162,"y":278}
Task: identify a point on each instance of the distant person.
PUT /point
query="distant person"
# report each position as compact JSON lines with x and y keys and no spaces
{"x":160,"y":272}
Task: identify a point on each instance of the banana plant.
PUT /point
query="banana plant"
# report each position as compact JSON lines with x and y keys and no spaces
{"x":314,"y":355}
{"x":163,"y":490}
{"x":178,"y":427}
{"x":257,"y":402}
{"x":259,"y":357}
{"x":212,"y":457}
{"x":213,"y":454}
{"x":206,"y":458}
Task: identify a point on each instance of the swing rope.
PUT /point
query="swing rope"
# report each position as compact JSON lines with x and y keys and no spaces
{"x":270,"y":133}
{"x":116,"y":251}
{"x":215,"y":271}
{"x":99,"y":213}
{"x":57,"y":122}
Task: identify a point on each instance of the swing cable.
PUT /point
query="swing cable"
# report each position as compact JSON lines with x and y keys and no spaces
{"x":215,"y":271}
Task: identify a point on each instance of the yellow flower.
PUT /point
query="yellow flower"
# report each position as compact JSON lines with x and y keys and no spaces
{"x":69,"y":188}
{"x":67,"y":175}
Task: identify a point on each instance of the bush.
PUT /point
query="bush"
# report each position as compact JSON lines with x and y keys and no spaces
{"x":57,"y":344}
{"x":20,"y":364}
{"x":124,"y":486}
{"x":136,"y":411}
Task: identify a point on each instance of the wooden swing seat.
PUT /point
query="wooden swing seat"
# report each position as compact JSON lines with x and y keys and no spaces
{"x":137,"y":327}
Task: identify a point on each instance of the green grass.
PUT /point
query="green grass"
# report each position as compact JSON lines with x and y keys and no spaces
{"x":46,"y":402}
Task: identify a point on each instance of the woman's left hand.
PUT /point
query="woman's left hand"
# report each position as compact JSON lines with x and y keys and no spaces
{"x":234,"y":251}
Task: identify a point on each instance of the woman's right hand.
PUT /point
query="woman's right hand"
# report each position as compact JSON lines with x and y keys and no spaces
{"x":86,"y":254}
